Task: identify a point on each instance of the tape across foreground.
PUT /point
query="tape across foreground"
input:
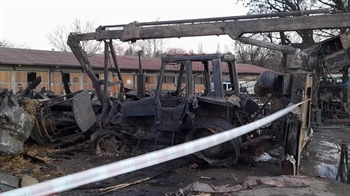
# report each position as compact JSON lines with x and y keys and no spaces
{"x":146,"y":160}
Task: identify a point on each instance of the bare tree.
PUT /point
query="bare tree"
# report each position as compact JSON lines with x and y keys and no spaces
{"x":218,"y":48}
{"x":58,"y":37}
{"x":174,"y":51}
{"x":151,"y":48}
{"x":9,"y":44}
{"x":200,"y":48}
{"x":259,"y":56}
{"x":130,"y":51}
{"x":119,"y":50}
{"x":156,"y":47}
{"x":133,"y":48}
{"x":226,"y":49}
{"x":191,"y":51}
{"x":307,"y":36}
{"x":6,"y":43}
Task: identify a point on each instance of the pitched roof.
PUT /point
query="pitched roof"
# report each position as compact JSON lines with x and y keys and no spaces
{"x":15,"y":56}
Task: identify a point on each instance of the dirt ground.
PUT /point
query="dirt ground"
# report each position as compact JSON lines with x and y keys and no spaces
{"x":321,"y":165}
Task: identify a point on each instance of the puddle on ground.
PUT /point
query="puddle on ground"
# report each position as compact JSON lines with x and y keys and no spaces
{"x":332,"y":161}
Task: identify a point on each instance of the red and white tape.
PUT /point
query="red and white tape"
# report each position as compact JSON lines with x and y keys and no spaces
{"x":135,"y":163}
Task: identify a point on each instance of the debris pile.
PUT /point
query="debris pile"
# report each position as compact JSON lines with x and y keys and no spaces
{"x":34,"y":161}
{"x":249,"y":183}
{"x":15,"y":124}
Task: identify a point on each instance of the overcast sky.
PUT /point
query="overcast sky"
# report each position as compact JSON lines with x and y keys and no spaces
{"x":29,"y":22}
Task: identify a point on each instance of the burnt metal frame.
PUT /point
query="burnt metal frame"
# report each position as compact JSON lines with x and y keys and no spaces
{"x":186,"y":62}
{"x":44,"y":112}
{"x":234,"y":26}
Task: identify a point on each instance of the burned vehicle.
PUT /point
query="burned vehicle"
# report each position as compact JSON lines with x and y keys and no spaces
{"x":183,"y":111}
{"x":56,"y":117}
{"x":61,"y":117}
{"x":212,"y":112}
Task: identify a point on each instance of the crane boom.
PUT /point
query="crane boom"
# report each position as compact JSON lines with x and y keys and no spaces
{"x":217,"y":26}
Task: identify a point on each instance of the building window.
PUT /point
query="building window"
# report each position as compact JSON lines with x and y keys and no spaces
{"x":66,"y":77}
{"x":198,"y":80}
{"x":169,"y":79}
{"x":31,"y":76}
{"x":97,"y":76}
{"x":147,"y":79}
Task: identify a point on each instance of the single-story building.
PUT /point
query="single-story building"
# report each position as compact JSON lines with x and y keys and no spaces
{"x":20,"y":66}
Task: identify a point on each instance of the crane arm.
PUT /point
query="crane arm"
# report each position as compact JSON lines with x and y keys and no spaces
{"x":235,"y":28}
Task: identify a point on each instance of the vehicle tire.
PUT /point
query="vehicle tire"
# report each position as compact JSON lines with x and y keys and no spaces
{"x":220,"y":155}
{"x":108,"y":142}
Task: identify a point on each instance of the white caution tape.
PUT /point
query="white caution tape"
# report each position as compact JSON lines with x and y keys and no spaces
{"x":135,"y":163}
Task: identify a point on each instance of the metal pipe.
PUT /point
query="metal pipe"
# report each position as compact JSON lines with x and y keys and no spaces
{"x":234,"y":75}
{"x":114,"y":57}
{"x":269,"y":45}
{"x":189,"y":76}
{"x":141,"y":89}
{"x":106,"y":104}
{"x":160,"y":81}
{"x":262,"y":108}
{"x":140,"y":64}
{"x":119,"y":74}
{"x":106,"y":62}
{"x":217,"y":78}
{"x":207,"y":89}
{"x":180,"y":78}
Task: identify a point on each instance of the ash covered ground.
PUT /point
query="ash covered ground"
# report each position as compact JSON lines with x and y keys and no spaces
{"x":321,"y":166}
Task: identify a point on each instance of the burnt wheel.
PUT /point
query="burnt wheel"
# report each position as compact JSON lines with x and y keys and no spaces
{"x":220,"y":155}
{"x":109,"y":143}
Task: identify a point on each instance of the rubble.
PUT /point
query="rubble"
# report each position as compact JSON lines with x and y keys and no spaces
{"x":206,"y":188}
{"x":8,"y":182}
{"x":278,"y":181}
{"x":15,"y":124}
{"x":28,"y":180}
{"x":251,"y":181}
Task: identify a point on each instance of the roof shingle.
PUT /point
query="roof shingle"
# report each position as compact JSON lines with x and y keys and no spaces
{"x":15,"y":56}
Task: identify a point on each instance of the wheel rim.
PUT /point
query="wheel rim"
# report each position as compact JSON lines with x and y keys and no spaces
{"x":110,"y":144}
